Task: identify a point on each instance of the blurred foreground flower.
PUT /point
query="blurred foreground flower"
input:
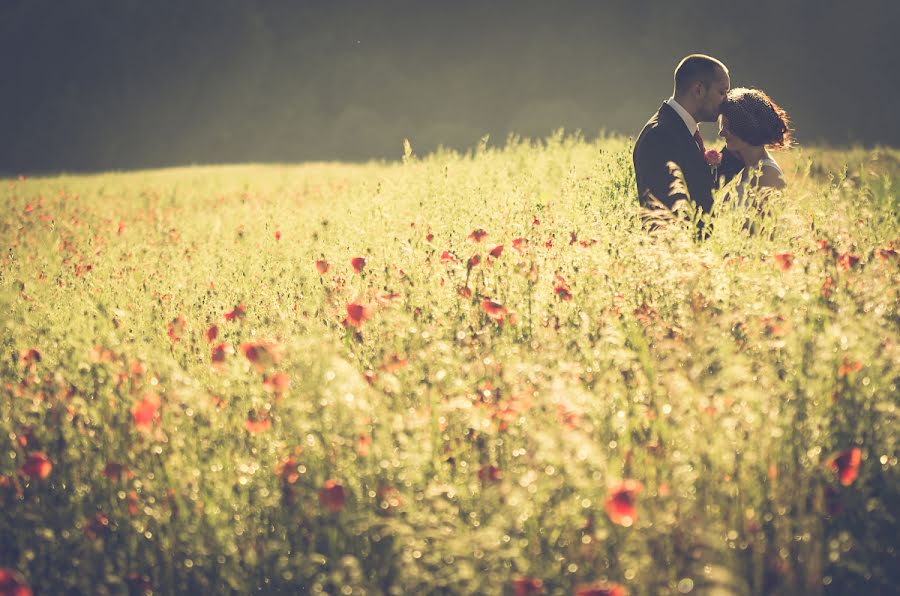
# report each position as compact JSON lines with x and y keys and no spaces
{"x":146,"y":412}
{"x":357,"y":314}
{"x":600,"y":589}
{"x":37,"y":466}
{"x":358,"y":263}
{"x":621,"y":503}
{"x":525,"y":586}
{"x":12,"y":584}
{"x":846,"y":465}
{"x":332,"y":496}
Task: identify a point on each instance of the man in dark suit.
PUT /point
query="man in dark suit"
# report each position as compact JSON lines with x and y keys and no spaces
{"x":672,"y":135}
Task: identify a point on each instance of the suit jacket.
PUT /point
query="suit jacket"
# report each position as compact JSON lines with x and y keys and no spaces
{"x":665,"y":138}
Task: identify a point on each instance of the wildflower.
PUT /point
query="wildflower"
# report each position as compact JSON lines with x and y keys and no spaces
{"x":474,"y":261}
{"x":358,"y":264}
{"x":448,"y":258}
{"x":255,"y":424}
{"x":535,"y":222}
{"x":219,"y":352}
{"x":429,"y":237}
{"x":288,"y":470}
{"x":115,"y":471}
{"x":322,"y":266}
{"x":621,"y":502}
{"x":600,"y":589}
{"x":494,"y":309}
{"x":848,"y":367}
{"x":176,"y":328}
{"x":525,"y":586}
{"x":29,"y":358}
{"x":784,"y":260}
{"x":489,"y":473}
{"x":846,"y":465}
{"x":236,"y":313}
{"x":146,"y":412}
{"x":520,"y":245}
{"x":477,"y":235}
{"x":277,"y":235}
{"x":37,"y":466}
{"x":12,"y":584}
{"x":212,"y":333}
{"x":828,"y":287}
{"x":496,"y":251}
{"x":276,"y":384}
{"x":332,"y":496}
{"x":846,"y":262}
{"x":363,"y":443}
{"x":262,"y":353}
{"x":562,"y":290}
{"x":357,"y":314}
{"x":97,"y":527}
{"x":464,"y":292}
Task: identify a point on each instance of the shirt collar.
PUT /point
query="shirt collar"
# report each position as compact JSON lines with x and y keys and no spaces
{"x":688,"y":119}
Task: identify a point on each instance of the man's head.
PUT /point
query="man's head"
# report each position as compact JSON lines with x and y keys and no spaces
{"x":701,"y":83}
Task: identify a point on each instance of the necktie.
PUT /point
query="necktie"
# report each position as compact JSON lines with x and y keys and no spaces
{"x":699,"y":140}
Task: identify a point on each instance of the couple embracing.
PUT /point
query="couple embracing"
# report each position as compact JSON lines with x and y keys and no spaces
{"x":749,"y":121}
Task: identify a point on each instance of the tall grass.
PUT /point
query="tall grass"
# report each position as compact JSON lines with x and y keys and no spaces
{"x":472,"y":425}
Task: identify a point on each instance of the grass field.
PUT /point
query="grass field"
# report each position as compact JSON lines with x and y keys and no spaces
{"x":449,"y":374}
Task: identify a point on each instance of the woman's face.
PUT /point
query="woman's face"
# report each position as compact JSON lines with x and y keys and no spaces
{"x":732,"y":142}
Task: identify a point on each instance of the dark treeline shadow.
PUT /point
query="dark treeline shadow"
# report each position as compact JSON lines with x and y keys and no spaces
{"x":98,"y":85}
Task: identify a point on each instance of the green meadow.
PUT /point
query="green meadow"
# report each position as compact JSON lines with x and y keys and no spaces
{"x":456,"y":373}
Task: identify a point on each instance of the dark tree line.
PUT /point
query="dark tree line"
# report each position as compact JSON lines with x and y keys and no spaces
{"x":108,"y":84}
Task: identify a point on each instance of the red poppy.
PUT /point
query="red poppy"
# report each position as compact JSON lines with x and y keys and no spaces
{"x":828,"y":287}
{"x":212,"y":333}
{"x":257,"y":425}
{"x":477,"y":235}
{"x":322,"y":266}
{"x":262,"y":353}
{"x":464,"y":292}
{"x":847,"y":367}
{"x":562,"y":290}
{"x":175,"y":328}
{"x":277,"y":235}
{"x":146,"y":412}
{"x":535,"y":222}
{"x":713,"y":158}
{"x":12,"y":583}
{"x":115,"y":471}
{"x":277,"y":384}
{"x":520,"y":245}
{"x":496,"y":251}
{"x":357,"y":314}
{"x":621,"y":502}
{"x":237,"y":312}
{"x":784,"y":260}
{"x":494,"y":309}
{"x":288,"y":470}
{"x":29,"y":358}
{"x":358,"y":263}
{"x":846,"y":465}
{"x":600,"y":589}
{"x":448,"y":258}
{"x":220,"y":351}
{"x":474,"y":260}
{"x":429,"y":237}
{"x":97,"y":526}
{"x":525,"y":586}
{"x":489,"y":473}
{"x":847,"y":261}
{"x":332,"y":496}
{"x":822,"y":246}
{"x":884,"y":254}
{"x":37,"y":466}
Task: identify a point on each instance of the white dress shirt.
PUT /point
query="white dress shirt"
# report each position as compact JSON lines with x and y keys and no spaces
{"x":688,"y":119}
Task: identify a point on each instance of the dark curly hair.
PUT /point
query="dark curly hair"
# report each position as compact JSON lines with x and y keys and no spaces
{"x":756,"y":119}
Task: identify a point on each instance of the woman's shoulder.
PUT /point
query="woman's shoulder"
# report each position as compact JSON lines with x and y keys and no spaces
{"x":771,"y":174}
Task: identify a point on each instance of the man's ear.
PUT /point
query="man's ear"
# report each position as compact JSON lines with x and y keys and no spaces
{"x":698,"y":89}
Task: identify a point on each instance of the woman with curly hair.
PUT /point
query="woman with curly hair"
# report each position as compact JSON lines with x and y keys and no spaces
{"x":752,"y":124}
